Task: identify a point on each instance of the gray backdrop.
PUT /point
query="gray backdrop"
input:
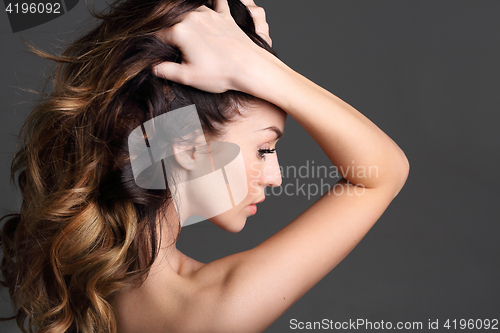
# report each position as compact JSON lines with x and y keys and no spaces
{"x":427,"y":73}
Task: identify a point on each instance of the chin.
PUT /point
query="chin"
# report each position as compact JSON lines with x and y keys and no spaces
{"x":229,"y":223}
{"x":236,"y":227}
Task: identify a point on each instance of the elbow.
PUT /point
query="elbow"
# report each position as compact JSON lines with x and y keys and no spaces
{"x":401,"y":172}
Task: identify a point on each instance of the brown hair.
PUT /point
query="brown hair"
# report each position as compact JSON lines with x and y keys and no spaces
{"x":85,"y":230}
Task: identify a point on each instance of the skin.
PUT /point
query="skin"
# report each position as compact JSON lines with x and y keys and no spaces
{"x":251,"y":133}
{"x":248,"y":291}
{"x":259,"y":127}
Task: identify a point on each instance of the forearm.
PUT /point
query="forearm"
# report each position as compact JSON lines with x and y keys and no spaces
{"x":363,"y":153}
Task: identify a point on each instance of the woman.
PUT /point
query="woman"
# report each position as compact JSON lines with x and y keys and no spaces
{"x":92,"y":251}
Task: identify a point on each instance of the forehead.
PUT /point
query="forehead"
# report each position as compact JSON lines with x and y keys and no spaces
{"x":258,"y":118}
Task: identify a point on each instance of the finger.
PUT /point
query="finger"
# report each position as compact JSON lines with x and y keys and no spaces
{"x":168,"y":35}
{"x":261,"y":25}
{"x":248,"y":3}
{"x":259,"y":18}
{"x":267,"y":39}
{"x":258,"y":13}
{"x":170,"y":70}
{"x":262,"y":29}
{"x":202,"y":9}
{"x":221,"y":6}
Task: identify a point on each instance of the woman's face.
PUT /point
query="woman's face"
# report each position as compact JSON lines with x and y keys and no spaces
{"x":257,"y":131}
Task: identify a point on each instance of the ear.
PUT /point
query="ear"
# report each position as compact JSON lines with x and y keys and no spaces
{"x":185,"y":155}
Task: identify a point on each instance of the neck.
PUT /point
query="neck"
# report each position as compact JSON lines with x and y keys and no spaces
{"x":169,"y":257}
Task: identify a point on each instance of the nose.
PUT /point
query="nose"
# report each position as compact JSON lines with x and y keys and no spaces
{"x":271,"y":175}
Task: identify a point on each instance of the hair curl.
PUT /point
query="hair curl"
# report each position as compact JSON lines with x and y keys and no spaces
{"x":85,"y":230}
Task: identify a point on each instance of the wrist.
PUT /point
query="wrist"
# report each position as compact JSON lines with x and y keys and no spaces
{"x":259,"y":74}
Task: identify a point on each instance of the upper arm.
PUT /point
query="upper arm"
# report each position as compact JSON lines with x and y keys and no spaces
{"x":256,"y":286}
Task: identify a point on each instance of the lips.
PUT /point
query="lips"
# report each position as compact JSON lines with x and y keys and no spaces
{"x":253,"y":207}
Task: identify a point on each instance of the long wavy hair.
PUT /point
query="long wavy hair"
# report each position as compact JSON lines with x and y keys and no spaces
{"x":85,"y":230}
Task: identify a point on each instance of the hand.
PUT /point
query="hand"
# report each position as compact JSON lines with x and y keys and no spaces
{"x":215,"y":51}
{"x":259,"y":19}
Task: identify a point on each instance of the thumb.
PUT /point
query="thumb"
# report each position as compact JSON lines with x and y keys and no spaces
{"x":222,"y":6}
{"x":171,"y":71}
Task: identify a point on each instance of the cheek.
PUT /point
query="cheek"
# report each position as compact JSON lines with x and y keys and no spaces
{"x":254,"y":170}
{"x":251,"y":164}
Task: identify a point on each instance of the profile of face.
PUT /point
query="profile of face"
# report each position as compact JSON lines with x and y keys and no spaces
{"x":256,"y":133}
{"x":209,"y":185}
{"x":217,"y":178}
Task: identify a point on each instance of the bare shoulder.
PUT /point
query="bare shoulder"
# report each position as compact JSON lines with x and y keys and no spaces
{"x":190,"y":299}
{"x":169,"y":300}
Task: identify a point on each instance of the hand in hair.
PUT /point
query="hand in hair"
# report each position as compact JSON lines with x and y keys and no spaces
{"x":215,"y":51}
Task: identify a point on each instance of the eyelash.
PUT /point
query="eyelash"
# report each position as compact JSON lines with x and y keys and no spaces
{"x":263,"y":152}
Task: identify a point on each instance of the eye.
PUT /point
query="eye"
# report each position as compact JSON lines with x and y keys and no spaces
{"x":263,"y":152}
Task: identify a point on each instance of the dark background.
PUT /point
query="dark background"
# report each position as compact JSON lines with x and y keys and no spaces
{"x":427,"y":73}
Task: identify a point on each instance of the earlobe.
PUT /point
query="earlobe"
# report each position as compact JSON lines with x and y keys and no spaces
{"x":185,"y":156}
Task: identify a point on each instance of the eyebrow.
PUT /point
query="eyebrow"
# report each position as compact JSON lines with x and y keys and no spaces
{"x":275,"y":129}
